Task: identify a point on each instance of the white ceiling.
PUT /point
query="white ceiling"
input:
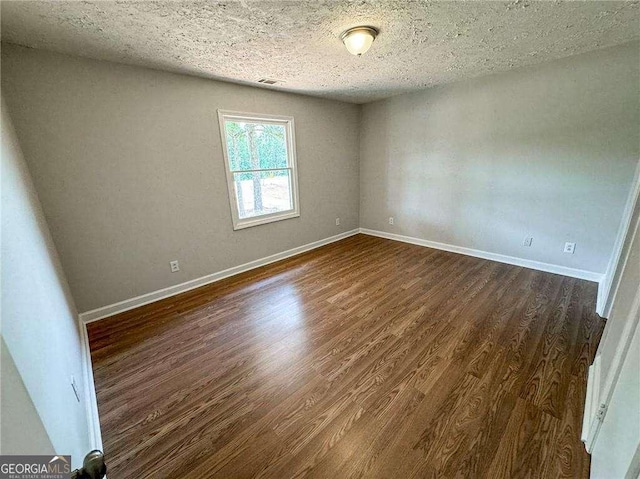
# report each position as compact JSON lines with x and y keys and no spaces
{"x":421,"y":43}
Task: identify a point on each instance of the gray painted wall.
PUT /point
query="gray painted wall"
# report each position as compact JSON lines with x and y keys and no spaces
{"x":39,"y":319}
{"x":547,"y":151}
{"x":21,"y":430}
{"x":128,"y":164}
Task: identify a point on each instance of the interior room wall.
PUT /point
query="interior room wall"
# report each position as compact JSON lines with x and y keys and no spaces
{"x":21,"y":430}
{"x":128,"y":164}
{"x":39,"y":319}
{"x":547,"y":152}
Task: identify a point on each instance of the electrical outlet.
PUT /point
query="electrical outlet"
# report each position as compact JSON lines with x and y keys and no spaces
{"x":74,"y":386}
{"x":175,"y":267}
{"x":527,"y":241}
{"x":569,"y":248}
{"x":390,"y":220}
{"x":337,"y":221}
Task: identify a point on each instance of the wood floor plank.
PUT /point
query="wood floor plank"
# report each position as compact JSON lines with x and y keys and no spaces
{"x":364,"y":358}
{"x":567,"y":462}
{"x":526,"y":447}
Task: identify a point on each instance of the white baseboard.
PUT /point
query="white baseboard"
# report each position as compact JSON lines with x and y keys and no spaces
{"x":526,"y":263}
{"x":91,"y":401}
{"x":126,"y":305}
{"x":601,"y":298}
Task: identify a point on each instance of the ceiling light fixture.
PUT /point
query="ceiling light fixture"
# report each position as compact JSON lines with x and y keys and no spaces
{"x":359,"y":39}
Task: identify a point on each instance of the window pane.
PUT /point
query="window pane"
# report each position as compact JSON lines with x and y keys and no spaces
{"x":256,"y":145}
{"x":262,"y":193}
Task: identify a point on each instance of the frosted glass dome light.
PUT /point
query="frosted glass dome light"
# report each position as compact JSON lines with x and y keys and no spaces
{"x":359,"y":39}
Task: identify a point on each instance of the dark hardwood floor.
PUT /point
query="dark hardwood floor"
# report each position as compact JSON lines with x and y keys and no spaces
{"x":364,"y":358}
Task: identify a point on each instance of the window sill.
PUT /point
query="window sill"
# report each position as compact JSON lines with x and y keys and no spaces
{"x":262,"y":220}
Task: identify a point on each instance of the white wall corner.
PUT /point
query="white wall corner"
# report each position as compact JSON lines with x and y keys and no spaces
{"x":606,"y":289}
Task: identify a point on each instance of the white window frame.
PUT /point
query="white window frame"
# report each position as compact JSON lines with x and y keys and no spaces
{"x":287,"y":122}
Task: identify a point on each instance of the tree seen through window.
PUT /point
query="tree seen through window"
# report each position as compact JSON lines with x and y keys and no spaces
{"x":258,"y":157}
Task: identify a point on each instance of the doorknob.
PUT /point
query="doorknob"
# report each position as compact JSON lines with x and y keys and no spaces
{"x":93,"y":467}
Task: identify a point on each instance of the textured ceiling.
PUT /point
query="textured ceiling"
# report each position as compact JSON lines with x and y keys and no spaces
{"x":421,"y":43}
